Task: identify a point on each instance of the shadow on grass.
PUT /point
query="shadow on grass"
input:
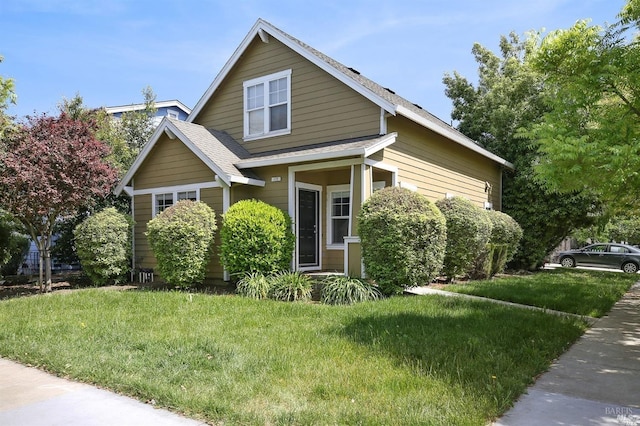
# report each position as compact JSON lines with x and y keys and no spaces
{"x":490,"y":351}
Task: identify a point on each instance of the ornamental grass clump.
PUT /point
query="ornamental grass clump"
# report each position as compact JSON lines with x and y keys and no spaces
{"x":290,"y":287}
{"x":403,"y":237}
{"x":254,"y":285}
{"x":181,"y":238}
{"x":468,"y":232}
{"x":342,"y":290}
{"x":256,"y":237}
{"x":103,"y":244}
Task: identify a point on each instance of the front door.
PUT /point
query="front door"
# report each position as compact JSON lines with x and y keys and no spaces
{"x":308,"y":227}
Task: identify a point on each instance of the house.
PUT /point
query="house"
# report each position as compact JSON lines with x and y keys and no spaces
{"x":172,"y":109}
{"x":288,"y":125}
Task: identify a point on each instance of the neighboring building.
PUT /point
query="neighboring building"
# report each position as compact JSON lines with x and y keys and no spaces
{"x":172,"y":109}
{"x":286,"y":124}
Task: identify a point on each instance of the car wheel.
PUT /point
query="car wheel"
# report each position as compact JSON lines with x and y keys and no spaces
{"x":630,"y":268}
{"x":568,"y":262}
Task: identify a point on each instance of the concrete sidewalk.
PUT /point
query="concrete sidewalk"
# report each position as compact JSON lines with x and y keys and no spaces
{"x":596,"y":382}
{"x":30,"y":397}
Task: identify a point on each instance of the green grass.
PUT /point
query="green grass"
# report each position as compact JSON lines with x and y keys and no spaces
{"x":233,"y":360}
{"x":582,"y":292}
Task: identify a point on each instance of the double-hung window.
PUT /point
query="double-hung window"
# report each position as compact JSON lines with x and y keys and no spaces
{"x":162,"y":201}
{"x":339,"y":206}
{"x":267,"y":105}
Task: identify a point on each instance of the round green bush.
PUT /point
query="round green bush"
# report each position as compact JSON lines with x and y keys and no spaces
{"x":342,"y":290}
{"x":403,"y":238}
{"x":505,"y":238}
{"x":256,"y":237}
{"x":289,"y":286}
{"x":502,"y":245}
{"x":468,"y":232}
{"x":181,"y":238}
{"x":103,"y":244}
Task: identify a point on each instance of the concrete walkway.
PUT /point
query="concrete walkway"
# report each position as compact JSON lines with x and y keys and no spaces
{"x":30,"y":397}
{"x":596,"y":382}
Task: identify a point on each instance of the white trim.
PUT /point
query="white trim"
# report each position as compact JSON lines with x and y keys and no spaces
{"x":226,"y":203}
{"x":309,"y":187}
{"x":176,"y":188}
{"x":453,"y":135}
{"x":265,"y":27}
{"x":319,"y":156}
{"x":383,"y":122}
{"x":330,"y":190}
{"x":167,"y":126}
{"x":157,"y":105}
{"x":265,"y":80}
{"x":408,"y":185}
{"x":174,"y":194}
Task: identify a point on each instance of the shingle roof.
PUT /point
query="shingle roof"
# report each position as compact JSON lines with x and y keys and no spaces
{"x":362,"y":146}
{"x":217,"y":146}
{"x":385,"y":98}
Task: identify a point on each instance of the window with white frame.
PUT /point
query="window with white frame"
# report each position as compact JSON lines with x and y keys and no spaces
{"x":339,"y":206}
{"x":163,"y":201}
{"x":267,"y":105}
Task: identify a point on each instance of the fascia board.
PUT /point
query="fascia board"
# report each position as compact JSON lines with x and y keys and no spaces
{"x":246,"y":164}
{"x":275,"y":33}
{"x":385,"y":142}
{"x":205,"y":159}
{"x":247,"y":181}
{"x":141,"y":157}
{"x":225,"y":70}
{"x":454,"y":136}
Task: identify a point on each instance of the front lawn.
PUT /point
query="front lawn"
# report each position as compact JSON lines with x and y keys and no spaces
{"x":582,"y":292}
{"x":231,"y":360}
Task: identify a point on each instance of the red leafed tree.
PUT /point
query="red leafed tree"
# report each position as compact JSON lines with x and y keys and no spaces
{"x":49,"y":168}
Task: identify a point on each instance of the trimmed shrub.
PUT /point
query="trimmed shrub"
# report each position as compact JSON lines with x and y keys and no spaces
{"x":505,"y":238}
{"x":103,"y":245}
{"x":256,"y":237}
{"x":341,"y":290}
{"x":290,"y":286}
{"x":254,"y":285}
{"x":506,"y":233}
{"x":468,"y":232}
{"x":181,"y":238}
{"x":403,"y":238}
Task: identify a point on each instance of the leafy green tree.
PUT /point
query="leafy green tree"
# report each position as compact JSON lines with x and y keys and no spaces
{"x":7,"y":96}
{"x":508,"y":96}
{"x":589,"y":137}
{"x":14,"y":245}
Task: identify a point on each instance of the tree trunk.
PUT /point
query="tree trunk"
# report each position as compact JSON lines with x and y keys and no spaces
{"x":41,"y":268}
{"x":47,"y":268}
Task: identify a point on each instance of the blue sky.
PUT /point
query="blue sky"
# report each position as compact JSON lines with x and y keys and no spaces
{"x":108,"y":51}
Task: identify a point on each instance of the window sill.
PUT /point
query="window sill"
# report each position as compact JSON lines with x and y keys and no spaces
{"x":247,"y":138}
{"x":335,"y":247}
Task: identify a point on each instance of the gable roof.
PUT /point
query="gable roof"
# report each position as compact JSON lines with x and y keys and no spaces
{"x":383,"y":97}
{"x":214,"y":148}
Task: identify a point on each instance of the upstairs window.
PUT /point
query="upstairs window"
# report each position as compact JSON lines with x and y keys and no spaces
{"x":267,"y":105}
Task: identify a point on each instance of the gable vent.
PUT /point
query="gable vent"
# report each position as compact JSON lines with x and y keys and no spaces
{"x":353,"y":70}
